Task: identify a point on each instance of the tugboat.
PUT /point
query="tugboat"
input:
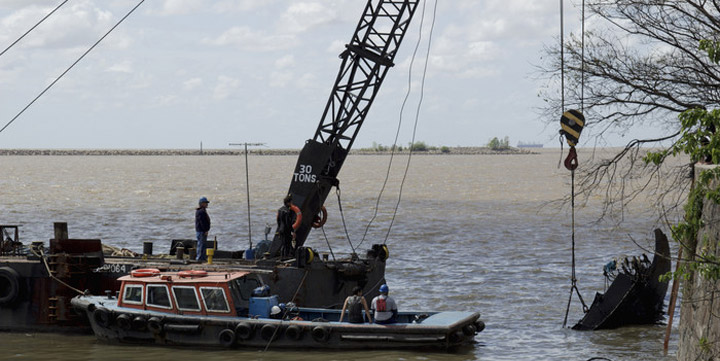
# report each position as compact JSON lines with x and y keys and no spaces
{"x":228,"y":309}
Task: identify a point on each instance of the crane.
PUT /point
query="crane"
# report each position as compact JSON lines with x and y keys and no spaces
{"x":365,"y":62}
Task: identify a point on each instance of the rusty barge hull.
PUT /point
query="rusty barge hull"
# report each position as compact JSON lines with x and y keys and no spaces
{"x":36,"y":289}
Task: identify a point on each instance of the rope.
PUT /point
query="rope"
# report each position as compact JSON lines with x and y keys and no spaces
{"x":33,"y":27}
{"x":397,"y":131}
{"x":47,"y":267}
{"x":71,"y":66}
{"x":417,"y":117}
{"x":342,"y":216}
{"x":286,"y":310}
{"x":328,"y":242}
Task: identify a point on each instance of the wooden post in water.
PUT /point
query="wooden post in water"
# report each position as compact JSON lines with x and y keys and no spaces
{"x":671,"y":306}
{"x":61,"y":230}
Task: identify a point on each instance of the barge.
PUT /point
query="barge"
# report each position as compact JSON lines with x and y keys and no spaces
{"x":228,"y":309}
{"x":38,"y":282}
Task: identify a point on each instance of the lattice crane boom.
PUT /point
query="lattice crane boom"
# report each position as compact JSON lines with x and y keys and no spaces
{"x":365,"y":62}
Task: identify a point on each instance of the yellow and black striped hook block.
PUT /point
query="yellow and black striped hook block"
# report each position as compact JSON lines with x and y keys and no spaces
{"x":571,"y":124}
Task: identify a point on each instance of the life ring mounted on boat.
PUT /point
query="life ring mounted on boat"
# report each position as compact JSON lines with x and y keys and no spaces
{"x":319,"y":221}
{"x":192,"y":273}
{"x":298,"y":218}
{"x":145,"y":272}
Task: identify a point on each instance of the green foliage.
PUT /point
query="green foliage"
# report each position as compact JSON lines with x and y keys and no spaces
{"x":712,"y":48}
{"x":379,"y":147}
{"x":497,"y":144}
{"x":706,"y":263}
{"x":444,"y":149}
{"x":418,"y":147}
{"x":704,"y":344}
{"x":700,"y":139}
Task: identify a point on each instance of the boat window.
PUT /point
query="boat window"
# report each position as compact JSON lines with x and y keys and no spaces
{"x":243,"y":287}
{"x":214,"y":299}
{"x":158,"y":296}
{"x":133,"y":294}
{"x":186,"y":298}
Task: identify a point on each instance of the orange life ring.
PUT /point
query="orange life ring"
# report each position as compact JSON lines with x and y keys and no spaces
{"x":192,"y":273}
{"x":298,"y":219}
{"x":145,"y":272}
{"x":320,"y":221}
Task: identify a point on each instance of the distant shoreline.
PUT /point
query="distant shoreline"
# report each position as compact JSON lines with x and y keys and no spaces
{"x":210,"y":152}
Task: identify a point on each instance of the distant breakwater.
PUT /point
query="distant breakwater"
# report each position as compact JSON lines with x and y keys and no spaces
{"x":210,"y":152}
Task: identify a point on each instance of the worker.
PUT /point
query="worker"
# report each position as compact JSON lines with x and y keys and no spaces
{"x":355,"y":303}
{"x":285,"y":219}
{"x":384,"y":307}
{"x":202,"y":227}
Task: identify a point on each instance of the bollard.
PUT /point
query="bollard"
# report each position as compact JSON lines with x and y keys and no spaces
{"x":147,"y":248}
{"x":193,"y":253}
{"x":210,"y":253}
{"x":61,"y":230}
{"x":180,"y":252}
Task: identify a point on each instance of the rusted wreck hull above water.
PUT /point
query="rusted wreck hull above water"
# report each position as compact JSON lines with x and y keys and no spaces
{"x":635,"y":297}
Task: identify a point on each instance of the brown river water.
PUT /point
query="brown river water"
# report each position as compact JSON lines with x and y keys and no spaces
{"x":473,"y":232}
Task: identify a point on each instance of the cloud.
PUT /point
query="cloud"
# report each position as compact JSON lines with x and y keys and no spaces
{"x":185,"y":7}
{"x":124,"y":67}
{"x":286,"y":61}
{"x":181,"y":7}
{"x":247,"y":39}
{"x":337,"y":46}
{"x":191,"y":84}
{"x":77,"y":24}
{"x":280,"y":79}
{"x":225,"y":87}
{"x":303,"y":16}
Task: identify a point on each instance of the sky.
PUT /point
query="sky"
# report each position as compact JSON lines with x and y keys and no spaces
{"x":178,"y":73}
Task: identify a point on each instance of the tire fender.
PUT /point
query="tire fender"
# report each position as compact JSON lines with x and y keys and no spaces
{"x":101,"y":315}
{"x":123,"y":321}
{"x":244,"y":331}
{"x":294,"y":332}
{"x":227,"y":338}
{"x":9,"y":286}
{"x":268,"y":331}
{"x":321,"y":334}
{"x":154,"y":324}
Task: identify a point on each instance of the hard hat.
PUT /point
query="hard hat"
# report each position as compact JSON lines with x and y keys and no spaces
{"x":275,"y":310}
{"x":281,"y":305}
{"x":384,"y":289}
{"x":203,"y":200}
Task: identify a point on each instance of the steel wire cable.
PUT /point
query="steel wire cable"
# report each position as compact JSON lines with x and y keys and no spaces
{"x":417,"y":117}
{"x":71,"y":66}
{"x":33,"y":27}
{"x":397,"y":132}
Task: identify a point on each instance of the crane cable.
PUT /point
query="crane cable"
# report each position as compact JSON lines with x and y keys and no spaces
{"x":397,"y":131}
{"x":417,"y":117}
{"x":70,"y":67}
{"x":33,"y":27}
{"x":572,"y":122}
{"x":342,"y":217}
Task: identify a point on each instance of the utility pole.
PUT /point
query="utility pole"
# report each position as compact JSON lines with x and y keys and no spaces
{"x":247,"y":182}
